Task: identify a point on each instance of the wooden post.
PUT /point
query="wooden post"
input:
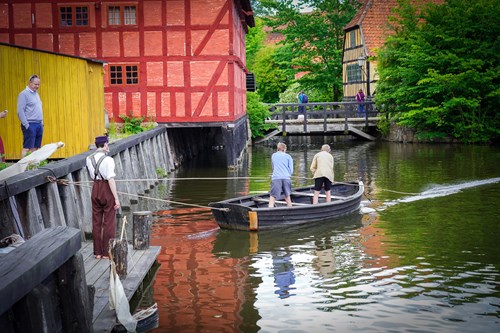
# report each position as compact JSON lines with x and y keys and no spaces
{"x":141,"y":229}
{"x":118,"y":253}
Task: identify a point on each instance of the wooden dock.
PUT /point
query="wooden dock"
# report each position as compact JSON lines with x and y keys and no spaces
{"x":97,"y":275}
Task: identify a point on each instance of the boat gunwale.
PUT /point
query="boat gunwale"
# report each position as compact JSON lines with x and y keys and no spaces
{"x":232,"y":201}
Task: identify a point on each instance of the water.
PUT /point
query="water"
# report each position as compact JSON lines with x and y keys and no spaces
{"x":424,"y":257}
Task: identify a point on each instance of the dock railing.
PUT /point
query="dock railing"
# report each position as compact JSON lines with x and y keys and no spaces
{"x":322,"y":112}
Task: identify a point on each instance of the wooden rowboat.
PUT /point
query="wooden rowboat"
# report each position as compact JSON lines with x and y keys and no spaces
{"x":252,"y":212}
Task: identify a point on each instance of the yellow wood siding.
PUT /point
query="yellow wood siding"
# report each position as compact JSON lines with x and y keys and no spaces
{"x":72,"y":94}
{"x":353,"y":52}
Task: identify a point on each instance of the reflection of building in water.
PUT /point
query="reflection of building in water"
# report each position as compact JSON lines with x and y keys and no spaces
{"x":284,"y":277}
{"x":373,"y":240}
{"x":324,"y":262}
{"x":196,"y":291}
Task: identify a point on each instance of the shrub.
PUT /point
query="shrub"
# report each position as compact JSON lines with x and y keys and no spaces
{"x":132,"y":125}
{"x":257,"y":113}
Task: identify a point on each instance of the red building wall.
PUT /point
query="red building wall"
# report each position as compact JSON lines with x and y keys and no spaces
{"x":190,"y":54}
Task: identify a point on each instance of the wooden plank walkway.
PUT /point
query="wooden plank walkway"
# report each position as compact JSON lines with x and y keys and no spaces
{"x":97,"y":274}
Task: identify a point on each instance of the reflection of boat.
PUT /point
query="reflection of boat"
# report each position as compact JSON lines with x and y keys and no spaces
{"x":147,"y":319}
{"x":240,"y":244}
{"x":252,"y":212}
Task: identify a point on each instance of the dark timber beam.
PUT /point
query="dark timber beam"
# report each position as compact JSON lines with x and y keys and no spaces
{"x":24,"y":268}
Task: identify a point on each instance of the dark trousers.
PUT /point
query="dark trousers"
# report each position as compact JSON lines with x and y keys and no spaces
{"x":103,"y":217}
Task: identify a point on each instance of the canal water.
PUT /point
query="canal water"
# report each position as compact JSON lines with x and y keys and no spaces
{"x":422,"y":255}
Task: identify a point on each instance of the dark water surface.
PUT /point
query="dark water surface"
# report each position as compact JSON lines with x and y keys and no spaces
{"x":424,"y":256}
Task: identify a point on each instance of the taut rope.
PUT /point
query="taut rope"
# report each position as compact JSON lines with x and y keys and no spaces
{"x":193,"y":178}
{"x":67,"y":182}
{"x":81,"y":183}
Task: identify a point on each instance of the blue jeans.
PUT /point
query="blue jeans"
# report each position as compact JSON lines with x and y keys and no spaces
{"x":361,"y":110}
{"x":32,"y":137}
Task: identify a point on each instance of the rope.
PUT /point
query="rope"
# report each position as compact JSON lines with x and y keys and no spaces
{"x":67,"y":182}
{"x":356,"y":184}
{"x":193,"y":178}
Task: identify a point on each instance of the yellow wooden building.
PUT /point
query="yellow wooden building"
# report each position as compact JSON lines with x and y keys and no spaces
{"x":72,"y":95}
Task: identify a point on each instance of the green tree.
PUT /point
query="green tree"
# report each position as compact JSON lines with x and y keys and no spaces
{"x":290,"y":94}
{"x":314,"y":39}
{"x":271,"y":78}
{"x":254,"y":41}
{"x":439,"y":72}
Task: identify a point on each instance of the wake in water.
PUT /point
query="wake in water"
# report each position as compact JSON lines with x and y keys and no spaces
{"x":433,"y":192}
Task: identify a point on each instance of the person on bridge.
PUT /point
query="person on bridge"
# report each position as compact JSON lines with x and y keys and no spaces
{"x":104,"y":197}
{"x":303,"y":99}
{"x":282,"y":172}
{"x":322,"y":169}
{"x":360,"y":98}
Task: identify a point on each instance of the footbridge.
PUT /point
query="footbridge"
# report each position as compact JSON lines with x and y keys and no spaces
{"x":333,"y":118}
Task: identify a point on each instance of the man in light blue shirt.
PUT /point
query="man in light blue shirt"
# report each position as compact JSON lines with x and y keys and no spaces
{"x":30,"y":113}
{"x":282,"y":171}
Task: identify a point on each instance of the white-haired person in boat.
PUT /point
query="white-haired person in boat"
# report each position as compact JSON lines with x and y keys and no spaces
{"x":322,"y":169}
{"x":282,"y":172}
{"x":104,"y":197}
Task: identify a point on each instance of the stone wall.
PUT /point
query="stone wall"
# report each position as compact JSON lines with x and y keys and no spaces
{"x":408,"y":135}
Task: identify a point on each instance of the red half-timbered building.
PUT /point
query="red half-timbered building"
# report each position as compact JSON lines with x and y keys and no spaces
{"x":180,"y":62}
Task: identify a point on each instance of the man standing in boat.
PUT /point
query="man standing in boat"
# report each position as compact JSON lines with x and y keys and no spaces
{"x":322,"y":169}
{"x":282,"y":172}
{"x":104,"y":197}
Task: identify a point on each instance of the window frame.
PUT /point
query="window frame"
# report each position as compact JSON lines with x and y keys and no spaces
{"x":74,"y":16}
{"x":354,"y":73}
{"x":124,"y":16}
{"x":127,"y":72}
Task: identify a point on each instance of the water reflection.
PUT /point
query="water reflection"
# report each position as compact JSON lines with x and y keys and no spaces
{"x":422,"y":262}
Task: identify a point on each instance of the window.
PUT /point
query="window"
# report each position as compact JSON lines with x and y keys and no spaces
{"x":122,"y":15}
{"x":129,"y":15}
{"x":353,"y":73}
{"x":123,"y":74}
{"x":114,"y":16}
{"x":353,"y":38}
{"x":74,"y":16}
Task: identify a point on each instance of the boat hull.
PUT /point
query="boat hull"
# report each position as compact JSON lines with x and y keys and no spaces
{"x":237,"y":213}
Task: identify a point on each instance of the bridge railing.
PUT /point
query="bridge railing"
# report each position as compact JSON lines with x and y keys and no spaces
{"x":327,"y":111}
